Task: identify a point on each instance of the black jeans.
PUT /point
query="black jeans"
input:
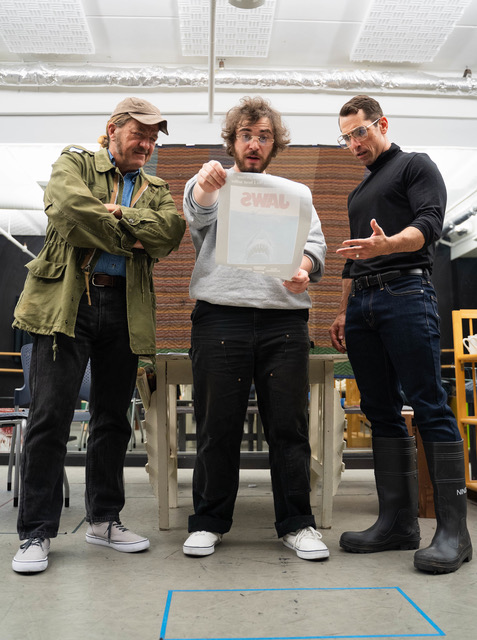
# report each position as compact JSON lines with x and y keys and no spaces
{"x":230,"y":347}
{"x":101,"y":334}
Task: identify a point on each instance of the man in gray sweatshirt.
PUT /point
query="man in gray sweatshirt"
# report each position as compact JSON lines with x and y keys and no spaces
{"x":249,"y":326}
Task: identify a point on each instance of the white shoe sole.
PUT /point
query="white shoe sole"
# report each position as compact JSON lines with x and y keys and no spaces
{"x":199,"y":551}
{"x":124,"y":547}
{"x":315,"y":554}
{"x":29,"y":567}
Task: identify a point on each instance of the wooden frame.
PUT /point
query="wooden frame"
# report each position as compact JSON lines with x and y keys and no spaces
{"x":326,"y":432}
{"x":463,"y":360}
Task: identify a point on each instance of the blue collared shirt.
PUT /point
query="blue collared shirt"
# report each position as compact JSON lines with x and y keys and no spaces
{"x":108,"y":262}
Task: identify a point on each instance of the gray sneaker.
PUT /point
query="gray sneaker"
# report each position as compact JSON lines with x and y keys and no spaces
{"x":116,"y":536}
{"x":32,"y":556}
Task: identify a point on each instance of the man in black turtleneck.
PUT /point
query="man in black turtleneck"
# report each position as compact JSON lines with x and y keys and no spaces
{"x":388,"y":323}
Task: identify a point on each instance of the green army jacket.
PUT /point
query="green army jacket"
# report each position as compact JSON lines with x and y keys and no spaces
{"x":81,"y":183}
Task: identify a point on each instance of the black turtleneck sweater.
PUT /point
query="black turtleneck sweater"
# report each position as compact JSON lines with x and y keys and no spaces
{"x":401,"y":190}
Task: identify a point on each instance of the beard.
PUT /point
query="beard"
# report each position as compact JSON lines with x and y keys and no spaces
{"x":129,"y":155}
{"x":258,"y":167}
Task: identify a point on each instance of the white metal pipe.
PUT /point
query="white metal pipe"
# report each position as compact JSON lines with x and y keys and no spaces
{"x":213,"y":8}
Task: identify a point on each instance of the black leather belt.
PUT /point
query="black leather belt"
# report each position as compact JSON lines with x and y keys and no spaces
{"x":105,"y":280}
{"x":378,"y":279}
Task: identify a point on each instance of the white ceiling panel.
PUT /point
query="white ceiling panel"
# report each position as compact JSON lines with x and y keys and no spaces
{"x":305,"y":34}
{"x":307,"y":44}
{"x":42,"y":27}
{"x":458,"y":52}
{"x":406,"y":30}
{"x":338,"y":10}
{"x":136,"y":9}
{"x":469,"y":17}
{"x":118,"y":41}
{"x":237,"y":33}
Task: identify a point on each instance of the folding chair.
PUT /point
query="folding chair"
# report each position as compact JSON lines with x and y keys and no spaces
{"x":83,"y":414}
{"x":15,"y":419}
{"x":134,"y":417}
{"x":22,"y":398}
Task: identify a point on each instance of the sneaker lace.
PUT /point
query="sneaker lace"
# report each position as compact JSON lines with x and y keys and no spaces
{"x":116,"y":525}
{"x":308,"y":532}
{"x":32,"y":542}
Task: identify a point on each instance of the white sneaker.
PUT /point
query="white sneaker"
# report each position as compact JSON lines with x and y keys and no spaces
{"x":32,"y":556}
{"x":201,"y":543}
{"x":116,"y":536}
{"x":307,"y":543}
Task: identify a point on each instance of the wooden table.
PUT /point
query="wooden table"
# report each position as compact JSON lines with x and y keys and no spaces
{"x":326,"y":432}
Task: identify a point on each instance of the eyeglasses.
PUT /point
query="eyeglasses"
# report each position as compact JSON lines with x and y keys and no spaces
{"x":246,"y":138}
{"x":360,"y":133}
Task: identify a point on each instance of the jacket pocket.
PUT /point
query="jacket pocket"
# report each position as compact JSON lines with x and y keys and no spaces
{"x":48,"y":270}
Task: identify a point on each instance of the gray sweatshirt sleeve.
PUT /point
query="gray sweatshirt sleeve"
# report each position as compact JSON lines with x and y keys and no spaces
{"x":315,"y":248}
{"x":197,"y":216}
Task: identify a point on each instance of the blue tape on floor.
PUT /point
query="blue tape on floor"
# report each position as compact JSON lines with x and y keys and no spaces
{"x":294,"y":614}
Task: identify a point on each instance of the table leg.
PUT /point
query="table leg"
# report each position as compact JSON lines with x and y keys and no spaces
{"x":316,"y":441}
{"x":162,"y":446}
{"x":172,"y":459}
{"x":328,"y":446}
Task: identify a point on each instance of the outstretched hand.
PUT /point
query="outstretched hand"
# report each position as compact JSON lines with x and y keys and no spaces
{"x":363,"y":248}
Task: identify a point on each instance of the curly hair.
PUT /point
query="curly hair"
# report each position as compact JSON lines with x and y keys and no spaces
{"x":370,"y":107}
{"x":119,"y":120}
{"x":251,"y":110}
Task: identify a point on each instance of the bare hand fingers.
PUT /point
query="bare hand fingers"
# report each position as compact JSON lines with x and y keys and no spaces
{"x":211,"y":176}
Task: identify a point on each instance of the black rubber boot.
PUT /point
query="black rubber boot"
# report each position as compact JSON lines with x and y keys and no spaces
{"x":397,"y":527}
{"x":451,"y":545}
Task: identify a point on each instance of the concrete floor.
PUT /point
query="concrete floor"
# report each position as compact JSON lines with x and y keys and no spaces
{"x":251,"y":587}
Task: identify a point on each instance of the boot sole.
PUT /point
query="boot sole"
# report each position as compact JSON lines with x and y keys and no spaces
{"x":395,"y":546}
{"x":435,"y":567}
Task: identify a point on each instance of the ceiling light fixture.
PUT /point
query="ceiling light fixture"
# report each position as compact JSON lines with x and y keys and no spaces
{"x":406,"y":30}
{"x":44,"y":26}
{"x":246,"y":4}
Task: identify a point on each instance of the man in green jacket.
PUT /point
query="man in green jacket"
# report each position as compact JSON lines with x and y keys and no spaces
{"x":90,"y":295}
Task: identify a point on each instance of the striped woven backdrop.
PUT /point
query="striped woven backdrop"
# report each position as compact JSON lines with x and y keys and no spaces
{"x":329,"y":172}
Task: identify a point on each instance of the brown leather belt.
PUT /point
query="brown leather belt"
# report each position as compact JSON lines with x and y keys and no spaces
{"x":105,"y":280}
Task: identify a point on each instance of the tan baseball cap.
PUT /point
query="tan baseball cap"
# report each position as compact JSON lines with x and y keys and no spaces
{"x":142,"y":111}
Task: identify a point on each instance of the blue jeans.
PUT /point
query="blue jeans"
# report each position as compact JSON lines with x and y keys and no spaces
{"x":393,"y":342}
{"x":230,"y":347}
{"x":101,"y":334}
